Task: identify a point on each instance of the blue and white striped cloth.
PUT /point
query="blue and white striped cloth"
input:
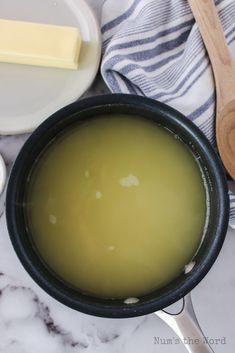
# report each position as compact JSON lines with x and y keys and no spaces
{"x":153,"y":48}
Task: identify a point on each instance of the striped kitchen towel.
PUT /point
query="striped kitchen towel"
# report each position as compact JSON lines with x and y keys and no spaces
{"x":153,"y":48}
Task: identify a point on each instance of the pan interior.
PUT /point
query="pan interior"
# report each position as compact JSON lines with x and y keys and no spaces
{"x":116,"y":206}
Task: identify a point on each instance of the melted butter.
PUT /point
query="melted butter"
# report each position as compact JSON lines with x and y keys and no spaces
{"x":117,"y":206}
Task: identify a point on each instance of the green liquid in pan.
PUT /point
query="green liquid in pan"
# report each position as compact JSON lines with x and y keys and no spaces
{"x":117,"y":206}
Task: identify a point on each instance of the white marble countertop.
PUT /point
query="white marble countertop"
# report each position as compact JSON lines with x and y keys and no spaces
{"x":32,"y":321}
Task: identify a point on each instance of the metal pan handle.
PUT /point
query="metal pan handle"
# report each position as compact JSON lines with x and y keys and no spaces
{"x":186,"y":326}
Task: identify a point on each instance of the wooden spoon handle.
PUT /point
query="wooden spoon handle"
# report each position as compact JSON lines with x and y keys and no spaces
{"x":211,"y":30}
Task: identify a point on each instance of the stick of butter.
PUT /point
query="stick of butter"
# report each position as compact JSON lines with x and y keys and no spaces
{"x":39,"y":44}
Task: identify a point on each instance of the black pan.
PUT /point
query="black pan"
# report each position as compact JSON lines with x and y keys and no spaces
{"x":218,"y":204}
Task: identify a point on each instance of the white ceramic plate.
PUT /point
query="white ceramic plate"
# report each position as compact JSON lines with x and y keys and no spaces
{"x":28,"y":94}
{"x":2,"y":174}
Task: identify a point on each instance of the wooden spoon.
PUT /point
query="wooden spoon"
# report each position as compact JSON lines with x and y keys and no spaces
{"x":223,"y":66}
